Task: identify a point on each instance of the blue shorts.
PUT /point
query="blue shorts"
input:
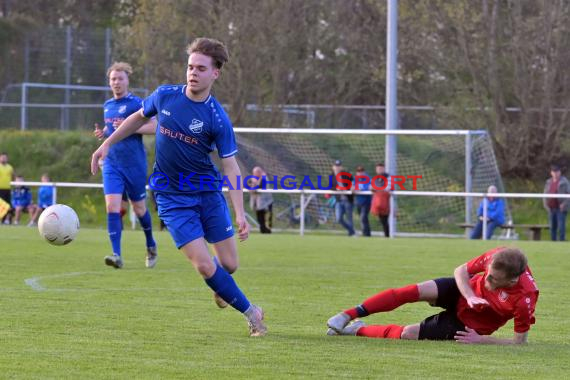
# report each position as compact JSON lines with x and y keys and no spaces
{"x":131,"y":179}
{"x":21,"y":204}
{"x":191,"y":216}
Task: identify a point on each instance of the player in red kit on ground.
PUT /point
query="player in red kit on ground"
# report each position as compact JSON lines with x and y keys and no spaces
{"x":483,"y":295}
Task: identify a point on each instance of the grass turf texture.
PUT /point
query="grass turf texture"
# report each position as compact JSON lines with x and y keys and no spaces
{"x":80,"y":319}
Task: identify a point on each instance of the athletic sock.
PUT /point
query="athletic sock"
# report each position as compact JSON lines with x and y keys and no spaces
{"x":146,"y":224}
{"x":224,"y":285}
{"x":386,"y":300}
{"x":115,"y":229}
{"x":381,"y":331}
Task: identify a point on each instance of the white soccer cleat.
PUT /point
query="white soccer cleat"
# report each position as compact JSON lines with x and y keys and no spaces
{"x":338,"y":322}
{"x":254,"y":316}
{"x":352,"y":328}
{"x":151,"y":257}
{"x":331,"y":332}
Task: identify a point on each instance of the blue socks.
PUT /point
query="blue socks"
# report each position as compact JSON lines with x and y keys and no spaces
{"x":146,"y":224}
{"x":115,"y":228}
{"x":224,"y":285}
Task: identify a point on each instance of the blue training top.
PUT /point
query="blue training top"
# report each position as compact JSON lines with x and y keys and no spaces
{"x":495,"y":210}
{"x":45,"y":196}
{"x":21,"y":196}
{"x":129,"y":151}
{"x":187,"y":133}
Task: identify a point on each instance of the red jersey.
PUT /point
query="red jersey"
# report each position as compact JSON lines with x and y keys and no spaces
{"x":518,"y":301}
{"x":553,"y":203}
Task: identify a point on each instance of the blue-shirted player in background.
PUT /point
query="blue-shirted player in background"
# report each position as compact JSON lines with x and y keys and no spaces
{"x":22,"y":200}
{"x":45,"y":199}
{"x":191,"y":125}
{"x":124,"y":168}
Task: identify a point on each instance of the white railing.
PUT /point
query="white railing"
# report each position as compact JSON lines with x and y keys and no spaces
{"x":303,"y":201}
{"x":24,"y":104}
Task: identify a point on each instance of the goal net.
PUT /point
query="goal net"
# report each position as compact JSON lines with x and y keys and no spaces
{"x":438,"y":156}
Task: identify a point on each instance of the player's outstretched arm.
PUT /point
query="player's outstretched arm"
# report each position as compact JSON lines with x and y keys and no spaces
{"x":128,"y":127}
{"x":462,"y":279}
{"x":232,"y":172}
{"x":471,"y":336}
{"x":148,"y":128}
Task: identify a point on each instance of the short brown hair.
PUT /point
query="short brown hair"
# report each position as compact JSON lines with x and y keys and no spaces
{"x":511,"y":261}
{"x":120,"y":66}
{"x":210,"y":47}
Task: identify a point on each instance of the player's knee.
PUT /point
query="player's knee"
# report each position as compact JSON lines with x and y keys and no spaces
{"x":113,"y":209}
{"x":139,"y":210}
{"x":411,"y":332}
{"x":205,"y":268}
{"x":428,"y":291}
{"x":230,"y":267}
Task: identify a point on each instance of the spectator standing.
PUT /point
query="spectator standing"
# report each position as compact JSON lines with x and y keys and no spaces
{"x":557,"y":207}
{"x":363,"y":201}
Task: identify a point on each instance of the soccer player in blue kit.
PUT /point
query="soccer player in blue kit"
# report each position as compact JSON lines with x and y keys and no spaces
{"x":191,"y":124}
{"x":124,"y":168}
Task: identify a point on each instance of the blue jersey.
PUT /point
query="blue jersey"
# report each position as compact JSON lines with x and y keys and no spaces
{"x":187,"y":133}
{"x":21,"y":196}
{"x":45,"y":196}
{"x":495,"y":210}
{"x":129,"y":151}
{"x":362,"y":199}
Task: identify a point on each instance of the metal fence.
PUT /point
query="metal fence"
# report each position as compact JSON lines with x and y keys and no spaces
{"x":67,"y":57}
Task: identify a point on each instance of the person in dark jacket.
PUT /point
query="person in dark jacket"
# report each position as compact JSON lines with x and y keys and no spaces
{"x":557,"y":207}
{"x":344,"y":202}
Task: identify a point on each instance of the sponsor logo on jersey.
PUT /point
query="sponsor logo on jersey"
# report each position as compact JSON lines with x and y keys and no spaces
{"x":196,"y":126}
{"x":503,"y":296}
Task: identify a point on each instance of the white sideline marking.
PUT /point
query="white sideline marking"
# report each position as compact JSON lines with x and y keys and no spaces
{"x":35,"y":284}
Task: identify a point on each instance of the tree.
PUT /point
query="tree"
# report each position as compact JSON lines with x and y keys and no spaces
{"x":506,"y":61}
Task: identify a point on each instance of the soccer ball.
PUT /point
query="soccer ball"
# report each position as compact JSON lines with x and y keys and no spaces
{"x":58,"y":224}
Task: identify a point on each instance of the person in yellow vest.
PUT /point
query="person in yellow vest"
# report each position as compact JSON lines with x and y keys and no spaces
{"x":6,"y":176}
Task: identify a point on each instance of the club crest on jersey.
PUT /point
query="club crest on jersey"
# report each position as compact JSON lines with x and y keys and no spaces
{"x":503,"y":296}
{"x":122,"y":109}
{"x":196,"y":126}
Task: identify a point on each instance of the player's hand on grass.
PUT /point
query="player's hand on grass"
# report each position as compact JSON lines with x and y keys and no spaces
{"x":99,"y":154}
{"x":477,"y":303}
{"x":469,"y":336}
{"x":243,"y":228}
{"x":98,"y":132}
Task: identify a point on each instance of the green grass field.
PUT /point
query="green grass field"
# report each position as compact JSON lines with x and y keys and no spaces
{"x":76,"y":318}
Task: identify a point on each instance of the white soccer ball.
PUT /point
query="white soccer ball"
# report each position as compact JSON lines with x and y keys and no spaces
{"x":58,"y":224}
